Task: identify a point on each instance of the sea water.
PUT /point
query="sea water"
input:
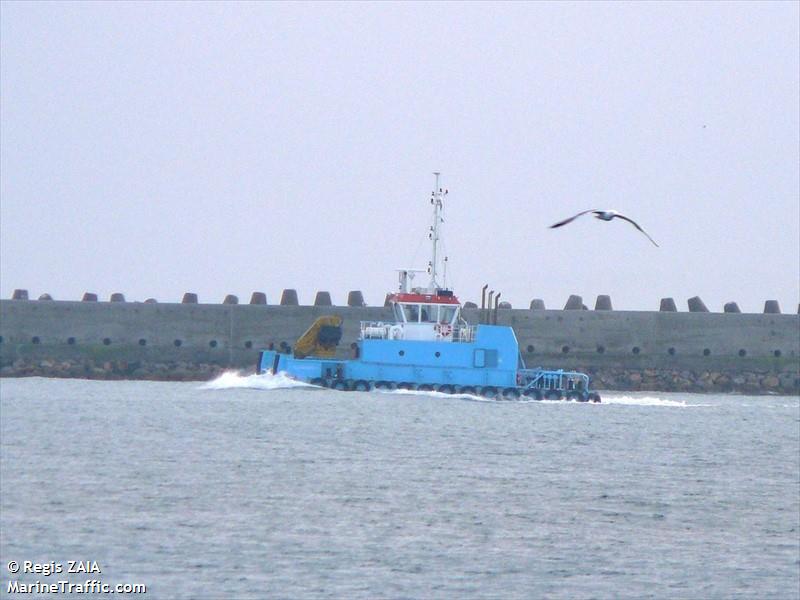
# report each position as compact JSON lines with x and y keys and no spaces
{"x":259,"y":487}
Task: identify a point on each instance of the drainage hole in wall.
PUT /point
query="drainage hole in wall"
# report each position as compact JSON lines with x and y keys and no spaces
{"x":636,"y":350}
{"x":142,"y":342}
{"x":71,"y":341}
{"x":35,"y":339}
{"x":106,"y":341}
{"x":776,"y":354}
{"x":601,"y":349}
{"x":671,"y":351}
{"x":530,"y":349}
{"x":564,"y":349}
{"x":742,"y":352}
{"x":213,"y":343}
{"x":706,"y":351}
{"x":178,"y":343}
{"x":248,"y":344}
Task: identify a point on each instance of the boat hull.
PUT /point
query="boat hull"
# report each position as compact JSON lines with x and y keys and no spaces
{"x":489,"y":365}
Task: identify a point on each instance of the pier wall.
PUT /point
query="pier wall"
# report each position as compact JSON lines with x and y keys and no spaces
{"x":694,"y":351}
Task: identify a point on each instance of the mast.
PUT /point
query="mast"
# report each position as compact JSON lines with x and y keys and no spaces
{"x":437,"y":197}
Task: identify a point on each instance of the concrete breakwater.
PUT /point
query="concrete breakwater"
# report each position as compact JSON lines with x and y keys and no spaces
{"x":622,"y":350}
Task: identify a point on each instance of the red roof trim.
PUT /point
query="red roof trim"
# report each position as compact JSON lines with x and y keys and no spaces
{"x":424,"y":298}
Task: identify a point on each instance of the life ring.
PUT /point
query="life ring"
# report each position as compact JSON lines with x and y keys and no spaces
{"x":395,"y":332}
{"x":444,"y":329}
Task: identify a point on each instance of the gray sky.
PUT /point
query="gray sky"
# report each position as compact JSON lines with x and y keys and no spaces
{"x":156,"y":148}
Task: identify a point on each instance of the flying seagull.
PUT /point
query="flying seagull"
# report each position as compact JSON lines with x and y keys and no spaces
{"x":604,"y":215}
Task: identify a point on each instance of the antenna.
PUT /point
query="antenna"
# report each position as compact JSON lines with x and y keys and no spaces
{"x":437,"y":198}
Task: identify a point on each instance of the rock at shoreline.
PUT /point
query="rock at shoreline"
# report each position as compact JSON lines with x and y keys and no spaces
{"x":750,"y":382}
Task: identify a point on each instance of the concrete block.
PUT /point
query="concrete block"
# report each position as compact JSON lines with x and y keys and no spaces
{"x":355,"y":298}
{"x":231,"y":299}
{"x":45,"y":297}
{"x":603,"y":302}
{"x":323,"y":299}
{"x":117,"y":297}
{"x":258,"y":298}
{"x":189,"y":298}
{"x":289,"y":298}
{"x":696,"y":304}
{"x":537,"y":304}
{"x":470,"y":305}
{"x":772,"y":307}
{"x":504,"y":304}
{"x":574,"y":303}
{"x":19,"y":295}
{"x":668,"y":305}
{"x":89,"y":297}
{"x":731,"y":307}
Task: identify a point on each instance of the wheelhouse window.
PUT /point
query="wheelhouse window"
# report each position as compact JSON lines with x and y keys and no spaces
{"x":412,"y":312}
{"x":398,"y":313}
{"x":428,"y":313}
{"x":447,"y":314}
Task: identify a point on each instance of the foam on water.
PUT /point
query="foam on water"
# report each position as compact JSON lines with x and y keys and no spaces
{"x":646,"y":401}
{"x":623,"y":400}
{"x":266,"y":381}
{"x":435,"y":395}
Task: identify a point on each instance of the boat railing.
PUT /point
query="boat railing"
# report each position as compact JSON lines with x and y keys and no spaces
{"x":464,"y":333}
{"x":554,"y":380}
{"x":382,"y":330}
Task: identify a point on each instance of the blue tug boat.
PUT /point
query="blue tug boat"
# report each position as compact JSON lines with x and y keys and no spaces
{"x":427,"y":347}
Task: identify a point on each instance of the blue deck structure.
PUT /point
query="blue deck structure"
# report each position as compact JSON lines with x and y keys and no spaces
{"x":428,"y":346}
{"x":488,"y":365}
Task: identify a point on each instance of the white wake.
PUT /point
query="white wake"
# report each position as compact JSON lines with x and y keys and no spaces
{"x":267,"y":381}
{"x":611,"y":399}
{"x":644,"y":401}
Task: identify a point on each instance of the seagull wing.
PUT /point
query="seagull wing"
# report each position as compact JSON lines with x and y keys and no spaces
{"x":571,"y":219}
{"x":635,"y":224}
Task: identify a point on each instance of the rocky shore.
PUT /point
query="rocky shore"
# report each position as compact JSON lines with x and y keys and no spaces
{"x":701,"y":381}
{"x":745,"y":382}
{"x":113,"y":370}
